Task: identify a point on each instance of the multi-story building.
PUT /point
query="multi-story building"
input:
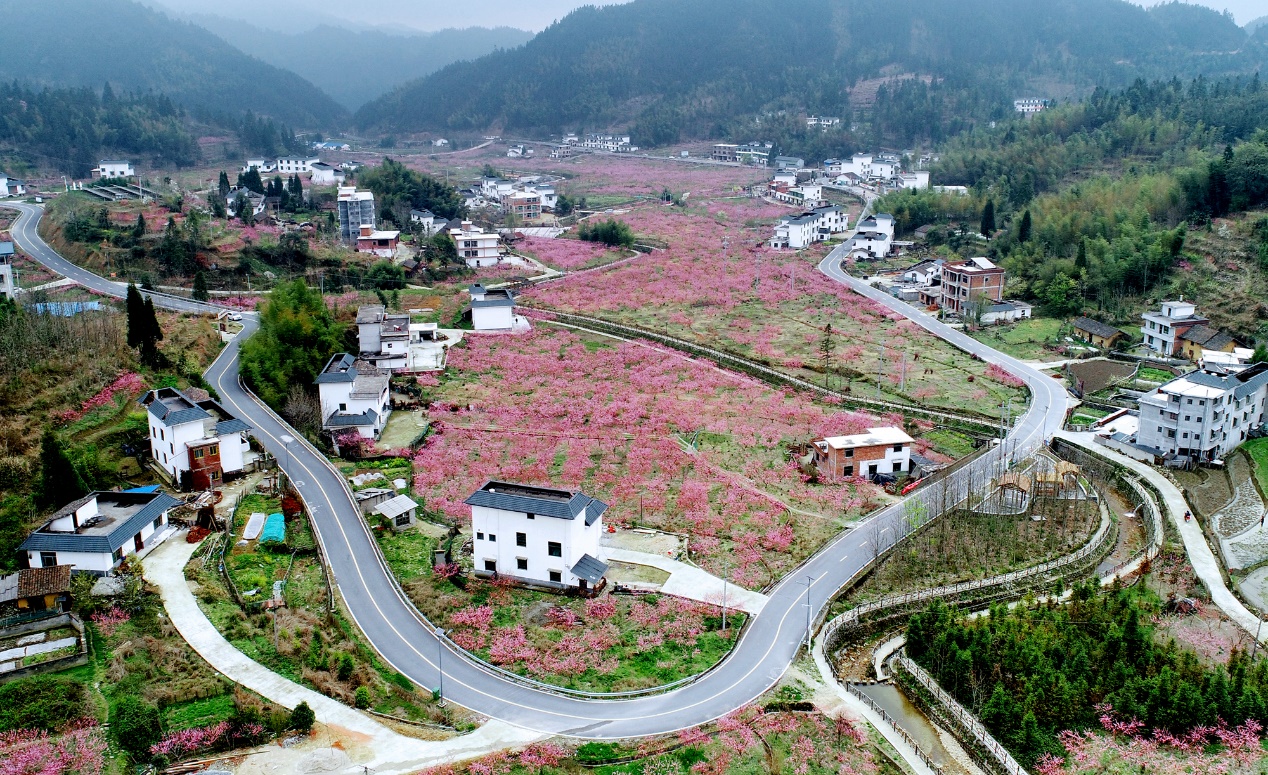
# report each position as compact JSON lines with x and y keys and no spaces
{"x":527,"y":205}
{"x":11,"y":186}
{"x":1203,"y":415}
{"x":796,"y":231}
{"x":492,"y":309}
{"x":880,"y":451}
{"x":609,"y":143}
{"x":976,"y":280}
{"x":476,"y":246}
{"x":380,"y":243}
{"x":356,"y":209}
{"x":295,"y":165}
{"x":1163,"y":329}
{"x":538,"y":535}
{"x":753,"y":154}
{"x":114,"y":169}
{"x":1029,"y":107}
{"x":196,"y":442}
{"x":354,"y":396}
{"x":727,"y":152}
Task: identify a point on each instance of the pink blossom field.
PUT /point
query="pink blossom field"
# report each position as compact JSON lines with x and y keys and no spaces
{"x":770,"y":306}
{"x":568,"y":254}
{"x":613,"y":418}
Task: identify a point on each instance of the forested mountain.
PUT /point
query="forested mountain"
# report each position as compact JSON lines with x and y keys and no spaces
{"x":93,"y":42}
{"x":355,"y":67}
{"x":677,"y":67}
{"x":1254,"y":24}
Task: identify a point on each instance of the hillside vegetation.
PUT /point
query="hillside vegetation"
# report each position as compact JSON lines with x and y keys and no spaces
{"x":692,"y":68}
{"x":93,"y":42}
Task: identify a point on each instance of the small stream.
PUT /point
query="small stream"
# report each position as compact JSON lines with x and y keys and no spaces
{"x":914,"y":723}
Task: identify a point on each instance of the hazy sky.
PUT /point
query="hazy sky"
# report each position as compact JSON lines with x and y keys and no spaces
{"x":439,"y":14}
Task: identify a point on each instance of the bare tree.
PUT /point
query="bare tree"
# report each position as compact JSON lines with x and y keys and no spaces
{"x":302,"y":411}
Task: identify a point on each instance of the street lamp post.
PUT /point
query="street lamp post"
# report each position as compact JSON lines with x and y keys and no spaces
{"x":286,"y":440}
{"x":440,"y":650}
{"x":808,"y":582}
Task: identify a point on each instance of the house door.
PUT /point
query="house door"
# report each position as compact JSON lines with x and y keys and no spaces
{"x":137,"y":543}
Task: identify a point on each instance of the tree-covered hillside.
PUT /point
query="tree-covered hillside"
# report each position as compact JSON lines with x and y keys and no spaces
{"x":368,"y":63}
{"x":675,"y":67}
{"x":93,"y":42}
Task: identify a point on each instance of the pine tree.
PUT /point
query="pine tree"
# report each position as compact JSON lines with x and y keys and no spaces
{"x":1023,"y":231}
{"x":988,"y":218}
{"x":135,"y":306}
{"x":223,"y":185}
{"x":138,"y":231}
{"x":59,"y":482}
{"x":200,"y":286}
{"x":1080,"y":258}
{"x":826,"y":347}
{"x":151,"y":334}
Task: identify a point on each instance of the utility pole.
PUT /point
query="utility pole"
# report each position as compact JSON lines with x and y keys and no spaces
{"x":903,"y":387}
{"x":880,"y":370}
{"x":726,"y":571}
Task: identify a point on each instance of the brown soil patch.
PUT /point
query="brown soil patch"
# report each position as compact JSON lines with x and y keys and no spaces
{"x":1099,"y":374}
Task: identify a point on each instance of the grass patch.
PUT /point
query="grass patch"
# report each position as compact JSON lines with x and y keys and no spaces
{"x":1258,"y":451}
{"x":197,"y":713}
{"x":1032,"y":339}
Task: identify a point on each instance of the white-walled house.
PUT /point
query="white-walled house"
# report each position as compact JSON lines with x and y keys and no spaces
{"x":11,"y":186}
{"x":476,"y":246}
{"x":263,"y":166}
{"x":538,"y":535}
{"x":796,"y":231}
{"x":196,"y":442}
{"x":326,"y":175}
{"x":917,"y":180}
{"x":114,"y":169}
{"x":353,"y":397}
{"x":428,"y":221}
{"x":96,"y":532}
{"x":1203,"y":415}
{"x":491,"y":309}
{"x":294,"y":165}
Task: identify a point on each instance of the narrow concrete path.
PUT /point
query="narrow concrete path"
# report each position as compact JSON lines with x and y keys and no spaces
{"x":1205,"y":566}
{"x":689,"y":581}
{"x":368,"y":743}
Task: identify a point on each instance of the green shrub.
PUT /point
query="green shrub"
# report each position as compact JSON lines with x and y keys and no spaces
{"x":302,"y":717}
{"x":42,"y":702}
{"x":362,"y":697}
{"x":135,"y":725}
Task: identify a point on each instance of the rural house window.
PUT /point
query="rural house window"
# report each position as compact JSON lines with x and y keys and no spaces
{"x":493,"y":538}
{"x":491,"y":565}
{"x":402,"y":520}
{"x":521,"y":539}
{"x":849,"y":453}
{"x":48,"y":559}
{"x":521,"y":563}
{"x":215,"y":450}
{"x":480,"y":536}
{"x":554,"y":549}
{"x":157,"y":522}
{"x":556,"y":577}
{"x":847,"y":471}
{"x":898,"y":447}
{"x":532,"y":516}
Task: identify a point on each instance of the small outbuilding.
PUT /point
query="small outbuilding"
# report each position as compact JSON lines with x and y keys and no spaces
{"x":401,"y":511}
{"x":1096,"y":333}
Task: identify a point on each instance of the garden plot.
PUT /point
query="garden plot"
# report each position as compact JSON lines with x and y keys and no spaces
{"x":718,"y":285}
{"x":671,"y":443}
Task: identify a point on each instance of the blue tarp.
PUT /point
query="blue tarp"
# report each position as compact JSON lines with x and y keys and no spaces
{"x":274,"y":529}
{"x":65,"y":309}
{"x":146,"y":489}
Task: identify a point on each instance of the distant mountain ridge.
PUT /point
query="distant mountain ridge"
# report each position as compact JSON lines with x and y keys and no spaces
{"x":133,"y":48}
{"x":357,"y":66}
{"x":691,"y":66}
{"x":1255,"y":24}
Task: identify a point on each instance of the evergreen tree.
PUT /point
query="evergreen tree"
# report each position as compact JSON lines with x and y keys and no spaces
{"x":59,"y":482}
{"x":138,"y":231}
{"x":988,"y":218}
{"x":152,"y":334}
{"x":200,"y":286}
{"x":1023,"y":231}
{"x":297,"y":336}
{"x":135,"y":306}
{"x":223,"y":185}
{"x":1080,"y":258}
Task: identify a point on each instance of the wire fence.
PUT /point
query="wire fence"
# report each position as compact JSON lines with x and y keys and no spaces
{"x":888,"y":719}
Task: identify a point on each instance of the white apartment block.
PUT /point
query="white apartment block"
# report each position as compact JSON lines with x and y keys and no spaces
{"x":114,"y":169}
{"x":1029,"y":106}
{"x":1203,"y":415}
{"x":538,"y":535}
{"x":476,"y":246}
{"x":296,"y":165}
{"x":356,"y":209}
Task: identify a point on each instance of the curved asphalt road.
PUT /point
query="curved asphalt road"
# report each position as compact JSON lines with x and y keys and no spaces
{"x":767,"y":647}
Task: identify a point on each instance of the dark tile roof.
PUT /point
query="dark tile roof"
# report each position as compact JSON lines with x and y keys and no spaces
{"x":231,"y":426}
{"x":101,"y":541}
{"x":338,"y":369}
{"x":36,"y":582}
{"x":547,"y":502}
{"x":172,"y":407}
{"x":368,"y":417}
{"x":1207,"y":337}
{"x":590,"y":569}
{"x":495,"y":298}
{"x":1095,"y":327}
